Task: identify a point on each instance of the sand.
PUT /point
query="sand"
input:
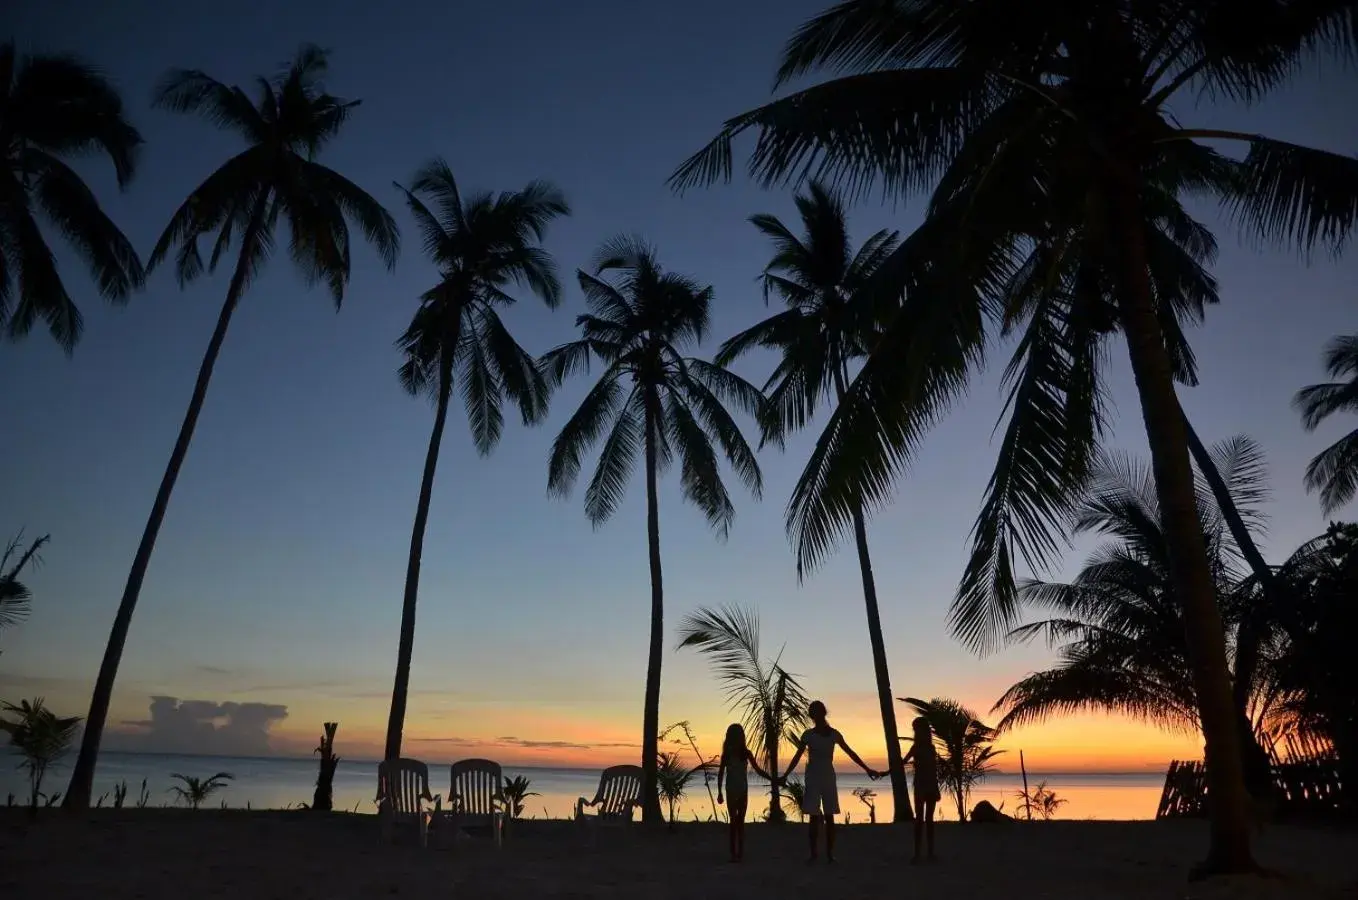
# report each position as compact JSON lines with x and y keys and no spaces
{"x":170,"y":854}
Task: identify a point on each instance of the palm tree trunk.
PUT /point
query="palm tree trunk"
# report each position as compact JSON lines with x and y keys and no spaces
{"x":1257,"y":769}
{"x":396,"y":719}
{"x":1206,"y":639}
{"x":773,"y":736}
{"x":900,"y":788}
{"x":82,"y":777}
{"x":650,"y":737}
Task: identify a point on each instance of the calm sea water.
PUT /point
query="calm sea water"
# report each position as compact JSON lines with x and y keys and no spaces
{"x":280,"y":783}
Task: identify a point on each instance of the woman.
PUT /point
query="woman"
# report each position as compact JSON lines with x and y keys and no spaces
{"x":820,"y":796}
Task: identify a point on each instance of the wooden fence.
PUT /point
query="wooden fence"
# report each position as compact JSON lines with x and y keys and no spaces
{"x":1305,"y":789}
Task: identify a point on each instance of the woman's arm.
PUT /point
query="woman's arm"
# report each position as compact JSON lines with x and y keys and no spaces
{"x":721,"y":772}
{"x":839,"y":739}
{"x":909,"y":755}
{"x":754,"y":764}
{"x":796,"y":758}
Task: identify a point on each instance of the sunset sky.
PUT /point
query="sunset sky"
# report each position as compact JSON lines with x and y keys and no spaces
{"x":273,"y":599}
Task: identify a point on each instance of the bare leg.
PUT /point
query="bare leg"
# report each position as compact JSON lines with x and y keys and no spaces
{"x":738,"y":834}
{"x":811,"y":836}
{"x":829,"y":839}
{"x":731,"y":835}
{"x":929,"y":828}
{"x":920,"y":807}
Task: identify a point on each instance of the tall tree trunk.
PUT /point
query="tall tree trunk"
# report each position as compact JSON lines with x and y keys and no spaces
{"x":1249,"y":631}
{"x":650,"y":737}
{"x":772,"y":738}
{"x":82,"y":777}
{"x":900,"y":788}
{"x":406,"y":648}
{"x":1206,"y":638}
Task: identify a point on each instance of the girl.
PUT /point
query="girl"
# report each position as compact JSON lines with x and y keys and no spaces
{"x":926,"y":784}
{"x":734,"y":757}
{"x":820,"y":797}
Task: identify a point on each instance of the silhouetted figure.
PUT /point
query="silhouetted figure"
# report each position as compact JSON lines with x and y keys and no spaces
{"x":820,"y":793}
{"x":735,"y":756}
{"x":927,"y":793}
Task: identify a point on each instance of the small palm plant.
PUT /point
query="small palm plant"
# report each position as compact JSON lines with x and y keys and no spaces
{"x":672,"y":778}
{"x":1334,"y":471}
{"x":515,"y":792}
{"x":868,"y":797}
{"x":965,"y":747}
{"x":796,"y":792}
{"x":195,"y":791}
{"x":1041,"y":801}
{"x":41,"y":737}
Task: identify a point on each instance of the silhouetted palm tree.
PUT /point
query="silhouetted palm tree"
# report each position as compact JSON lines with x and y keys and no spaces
{"x":828,"y":325}
{"x":275,"y":176}
{"x":1045,"y":129}
{"x":53,"y":108}
{"x":771,"y":702}
{"x":1118,"y":626}
{"x":654,"y":399}
{"x":481,"y":245}
{"x":1334,"y":471}
{"x":14,"y":594}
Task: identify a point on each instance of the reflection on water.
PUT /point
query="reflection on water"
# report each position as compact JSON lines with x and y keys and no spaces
{"x":279,"y":783}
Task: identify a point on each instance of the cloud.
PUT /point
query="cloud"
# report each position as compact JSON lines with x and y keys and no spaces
{"x":201,"y":727}
{"x":558,"y":745}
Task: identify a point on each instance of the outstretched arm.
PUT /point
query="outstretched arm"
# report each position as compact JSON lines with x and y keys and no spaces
{"x":796,"y":758}
{"x":754,"y":764}
{"x":839,"y":739}
{"x":909,"y":755}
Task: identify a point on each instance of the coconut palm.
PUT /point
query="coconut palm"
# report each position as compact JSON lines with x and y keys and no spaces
{"x":1118,"y":626}
{"x":14,"y":594}
{"x":1045,"y":132}
{"x":275,"y":177}
{"x":770,"y":701}
{"x":52,"y":109}
{"x":653,"y":399}
{"x":826,"y":327}
{"x":1334,"y":471}
{"x":482,"y":245}
{"x":964,"y":747}
{"x":40,"y":736}
{"x":195,"y":791}
{"x":672,"y":778}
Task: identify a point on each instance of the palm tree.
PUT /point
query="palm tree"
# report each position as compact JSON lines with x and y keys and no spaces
{"x":195,"y":791}
{"x":54,"y":108}
{"x":1334,"y":471}
{"x":481,"y":245}
{"x":672,"y":778}
{"x":652,"y":398}
{"x":826,"y":327}
{"x":771,"y":702}
{"x":1057,"y":169}
{"x":1118,"y":626}
{"x":14,"y":594}
{"x":41,"y":737}
{"x":275,"y":176}
{"x":963,"y":744}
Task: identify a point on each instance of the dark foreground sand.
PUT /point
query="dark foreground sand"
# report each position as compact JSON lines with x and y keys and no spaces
{"x":172,"y":854}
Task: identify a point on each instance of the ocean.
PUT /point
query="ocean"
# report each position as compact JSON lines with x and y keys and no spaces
{"x":282,"y":783}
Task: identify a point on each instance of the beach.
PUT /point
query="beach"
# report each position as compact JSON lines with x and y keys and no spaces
{"x":164,"y":854}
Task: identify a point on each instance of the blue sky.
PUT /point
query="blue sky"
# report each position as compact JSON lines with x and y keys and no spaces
{"x":277,"y":578}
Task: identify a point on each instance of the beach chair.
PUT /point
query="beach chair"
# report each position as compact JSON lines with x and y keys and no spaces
{"x":619,"y":792}
{"x":476,"y":797}
{"x":402,"y":790}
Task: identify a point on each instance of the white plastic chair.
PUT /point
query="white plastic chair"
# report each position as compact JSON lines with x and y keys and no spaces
{"x":619,"y":793}
{"x":476,"y":797}
{"x":402,"y":790}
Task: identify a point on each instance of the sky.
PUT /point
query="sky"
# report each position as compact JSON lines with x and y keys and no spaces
{"x":273,"y":600}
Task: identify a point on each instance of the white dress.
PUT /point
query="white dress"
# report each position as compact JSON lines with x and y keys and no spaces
{"x":821,"y":795}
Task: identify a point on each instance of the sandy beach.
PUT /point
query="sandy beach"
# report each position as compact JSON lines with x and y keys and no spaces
{"x":163,"y":854}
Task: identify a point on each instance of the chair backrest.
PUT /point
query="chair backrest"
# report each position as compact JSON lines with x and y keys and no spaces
{"x":477,"y":789}
{"x":619,"y":791}
{"x":404,"y":783}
